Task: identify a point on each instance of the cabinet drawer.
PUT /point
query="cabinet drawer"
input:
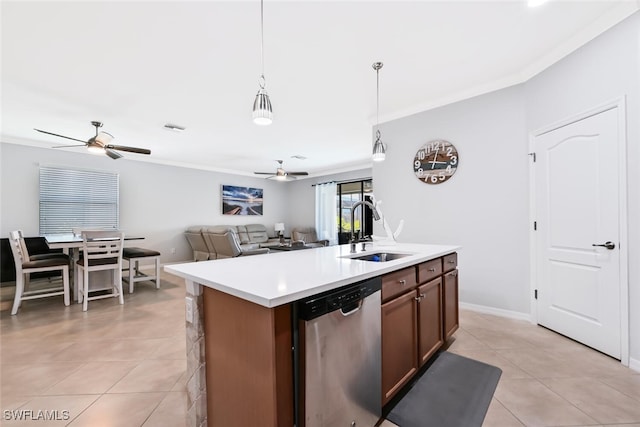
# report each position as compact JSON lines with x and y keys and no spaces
{"x":398,"y":282}
{"x":429,"y":270}
{"x":450,"y":262}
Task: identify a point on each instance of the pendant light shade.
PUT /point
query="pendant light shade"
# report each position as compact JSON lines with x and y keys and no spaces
{"x":262,"y":111}
{"x":379,"y":150}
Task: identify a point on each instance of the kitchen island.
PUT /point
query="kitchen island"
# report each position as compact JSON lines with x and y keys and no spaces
{"x":239,"y":324}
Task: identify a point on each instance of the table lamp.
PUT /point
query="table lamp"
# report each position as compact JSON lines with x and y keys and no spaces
{"x":279,"y":227}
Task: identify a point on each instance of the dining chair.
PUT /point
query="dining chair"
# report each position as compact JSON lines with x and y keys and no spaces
{"x":25,"y":265}
{"x":27,"y":255}
{"x":101,"y":251}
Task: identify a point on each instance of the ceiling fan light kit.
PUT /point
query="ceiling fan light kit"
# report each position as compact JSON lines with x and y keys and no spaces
{"x":262,"y":110}
{"x":379,"y":150}
{"x":95,"y":148}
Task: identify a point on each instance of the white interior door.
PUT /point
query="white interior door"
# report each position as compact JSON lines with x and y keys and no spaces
{"x":577,"y":206}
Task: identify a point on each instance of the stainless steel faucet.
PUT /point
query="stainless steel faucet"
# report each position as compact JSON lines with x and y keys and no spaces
{"x":376,"y":216}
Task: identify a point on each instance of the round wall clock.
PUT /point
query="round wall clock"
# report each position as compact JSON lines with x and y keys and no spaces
{"x":436,"y":162}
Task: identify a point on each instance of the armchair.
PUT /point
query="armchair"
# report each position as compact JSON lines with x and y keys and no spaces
{"x":308,"y":236}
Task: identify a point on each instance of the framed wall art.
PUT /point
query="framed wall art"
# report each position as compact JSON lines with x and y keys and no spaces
{"x":241,"y":200}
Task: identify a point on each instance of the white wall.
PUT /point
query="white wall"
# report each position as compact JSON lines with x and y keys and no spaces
{"x":605,"y":69}
{"x":156,"y":201}
{"x":485,"y":206}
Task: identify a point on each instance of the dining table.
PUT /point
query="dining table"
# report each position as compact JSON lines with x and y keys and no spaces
{"x":71,"y":243}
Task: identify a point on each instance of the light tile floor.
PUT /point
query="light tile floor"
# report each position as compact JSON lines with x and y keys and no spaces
{"x":124,"y":366}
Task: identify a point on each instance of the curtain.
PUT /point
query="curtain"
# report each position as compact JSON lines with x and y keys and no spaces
{"x":326,"y":211}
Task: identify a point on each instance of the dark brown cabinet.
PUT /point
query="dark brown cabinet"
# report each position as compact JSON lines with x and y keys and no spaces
{"x":450,"y":295}
{"x":419,"y":312}
{"x":399,"y":344}
{"x":429,"y":319}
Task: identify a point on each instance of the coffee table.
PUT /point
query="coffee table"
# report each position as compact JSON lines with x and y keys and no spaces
{"x":289,"y":248}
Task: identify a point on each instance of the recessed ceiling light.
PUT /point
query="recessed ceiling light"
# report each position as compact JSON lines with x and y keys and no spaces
{"x":173,"y":127}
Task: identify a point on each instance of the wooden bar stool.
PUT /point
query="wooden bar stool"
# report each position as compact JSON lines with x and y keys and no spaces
{"x":133,"y":257}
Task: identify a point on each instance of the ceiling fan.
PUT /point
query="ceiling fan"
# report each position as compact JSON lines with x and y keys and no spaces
{"x":99,"y":144}
{"x":281,"y":174}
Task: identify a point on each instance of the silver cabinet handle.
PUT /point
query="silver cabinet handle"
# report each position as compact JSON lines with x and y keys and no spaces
{"x":422,"y":295}
{"x":432,"y":269}
{"x":402,"y":282}
{"x":417,"y":298}
{"x":451,"y":261}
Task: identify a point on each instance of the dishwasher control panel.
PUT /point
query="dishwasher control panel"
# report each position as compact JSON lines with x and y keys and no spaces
{"x":347,"y":297}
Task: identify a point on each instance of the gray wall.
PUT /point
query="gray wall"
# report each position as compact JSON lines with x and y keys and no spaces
{"x":485,"y":206}
{"x":156,"y":201}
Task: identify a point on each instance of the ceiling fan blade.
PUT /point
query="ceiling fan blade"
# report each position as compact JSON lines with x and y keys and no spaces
{"x":282,"y":177}
{"x":298,"y":173}
{"x":68,"y":146}
{"x":61,"y":136}
{"x":129,"y":149}
{"x":264,"y":173}
{"x":112,"y":154}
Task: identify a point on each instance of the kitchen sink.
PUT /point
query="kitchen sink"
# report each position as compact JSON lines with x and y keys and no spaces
{"x":379,"y":256}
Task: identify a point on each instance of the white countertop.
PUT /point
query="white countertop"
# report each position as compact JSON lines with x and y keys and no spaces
{"x":281,"y":277}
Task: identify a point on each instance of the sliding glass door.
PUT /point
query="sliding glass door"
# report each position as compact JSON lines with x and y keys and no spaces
{"x":350,"y":193}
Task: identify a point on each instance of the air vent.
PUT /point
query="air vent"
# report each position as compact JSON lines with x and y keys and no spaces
{"x":299,"y":157}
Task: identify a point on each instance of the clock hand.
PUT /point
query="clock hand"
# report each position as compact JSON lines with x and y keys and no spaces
{"x":433,"y":163}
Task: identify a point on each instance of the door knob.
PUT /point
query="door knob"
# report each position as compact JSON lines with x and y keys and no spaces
{"x":608,"y":245}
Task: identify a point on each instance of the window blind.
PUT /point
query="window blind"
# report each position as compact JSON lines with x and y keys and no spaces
{"x":71,"y":198}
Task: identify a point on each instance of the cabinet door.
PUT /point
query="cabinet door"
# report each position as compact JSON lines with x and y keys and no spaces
{"x":399,"y":343}
{"x":450,"y":303}
{"x":430,"y":328}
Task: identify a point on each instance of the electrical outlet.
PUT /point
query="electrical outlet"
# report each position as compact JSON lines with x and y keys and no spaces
{"x":173,"y":250}
{"x":188,"y":309}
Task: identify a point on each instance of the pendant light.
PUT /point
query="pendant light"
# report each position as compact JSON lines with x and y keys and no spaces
{"x":378,"y":147}
{"x":262,"y":112}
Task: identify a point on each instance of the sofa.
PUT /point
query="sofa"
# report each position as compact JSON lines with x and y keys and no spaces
{"x":228,"y":241}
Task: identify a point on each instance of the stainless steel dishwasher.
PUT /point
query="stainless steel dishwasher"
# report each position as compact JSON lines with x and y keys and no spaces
{"x":341,"y":365}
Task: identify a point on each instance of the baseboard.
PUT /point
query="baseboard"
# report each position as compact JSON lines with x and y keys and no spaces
{"x":496,"y":311}
{"x":634,"y":364}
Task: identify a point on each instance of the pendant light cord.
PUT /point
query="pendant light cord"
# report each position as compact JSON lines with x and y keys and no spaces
{"x":262,"y":79}
{"x":377,"y":66}
{"x":377,"y":99}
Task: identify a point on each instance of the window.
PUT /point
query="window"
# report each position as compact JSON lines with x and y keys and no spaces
{"x":350,"y":193}
{"x":77,"y":198}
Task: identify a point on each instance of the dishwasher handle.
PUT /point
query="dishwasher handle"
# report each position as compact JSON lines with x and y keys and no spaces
{"x":351,"y":308}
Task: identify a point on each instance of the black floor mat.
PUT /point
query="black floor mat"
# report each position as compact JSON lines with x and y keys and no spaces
{"x":454,"y":392}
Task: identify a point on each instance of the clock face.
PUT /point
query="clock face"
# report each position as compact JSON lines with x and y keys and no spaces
{"x":436,"y":162}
